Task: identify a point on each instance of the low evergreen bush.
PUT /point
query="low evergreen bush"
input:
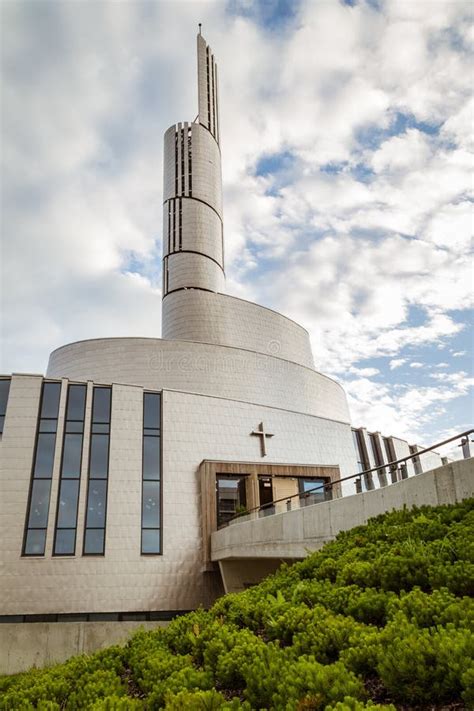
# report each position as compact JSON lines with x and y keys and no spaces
{"x":382,"y":618}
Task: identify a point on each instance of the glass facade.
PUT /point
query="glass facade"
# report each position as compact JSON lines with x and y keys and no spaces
{"x":70,"y":477}
{"x":96,"y":513}
{"x":42,"y":472}
{"x":151,"y":475}
{"x":4,"y":390}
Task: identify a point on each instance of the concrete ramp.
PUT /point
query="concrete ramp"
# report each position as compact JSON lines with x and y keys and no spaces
{"x":249,"y":550}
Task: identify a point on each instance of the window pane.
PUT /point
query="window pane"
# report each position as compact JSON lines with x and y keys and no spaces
{"x":35,"y":542}
{"x":76,"y":402}
{"x":316,"y":484}
{"x":72,"y":456}
{"x":39,"y":505}
{"x":101,"y":406}
{"x":99,"y":456}
{"x":151,"y":457}
{"x":2,"y":422}
{"x":74,"y":427}
{"x":151,"y":540}
{"x":308,"y":496}
{"x":94,"y":541}
{"x":48,"y":425}
{"x":98,"y":428}
{"x":151,"y":504}
{"x":50,"y":406}
{"x":45,"y":456}
{"x":65,"y":543}
{"x":67,"y":511}
{"x":4,"y":390}
{"x":96,"y":504}
{"x":151,"y":410}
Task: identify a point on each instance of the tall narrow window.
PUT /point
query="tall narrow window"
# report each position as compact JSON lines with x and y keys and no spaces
{"x":70,"y":479}
{"x":151,"y":492}
{"x":4,"y":390}
{"x":358,"y":450}
{"x":391,"y":457}
{"x":378,"y":458}
{"x":96,"y":514}
{"x":42,"y":473}
{"x":190,"y":162}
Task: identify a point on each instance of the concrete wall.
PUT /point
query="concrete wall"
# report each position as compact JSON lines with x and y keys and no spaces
{"x":290,"y":535}
{"x":194,"y":315}
{"x":232,"y":373}
{"x":193,"y":270}
{"x":40,"y":644}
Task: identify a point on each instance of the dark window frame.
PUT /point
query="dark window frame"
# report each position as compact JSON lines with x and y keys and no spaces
{"x":159,"y":435}
{"x":3,"y":412}
{"x":69,"y":478}
{"x":39,"y":420}
{"x":92,"y":479}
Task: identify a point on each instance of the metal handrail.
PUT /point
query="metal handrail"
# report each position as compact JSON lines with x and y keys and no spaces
{"x":330,"y":484}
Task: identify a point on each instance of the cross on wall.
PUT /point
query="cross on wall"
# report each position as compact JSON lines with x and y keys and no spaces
{"x":260,"y":432}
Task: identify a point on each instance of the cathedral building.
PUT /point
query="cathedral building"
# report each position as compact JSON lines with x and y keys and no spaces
{"x":117,"y":465}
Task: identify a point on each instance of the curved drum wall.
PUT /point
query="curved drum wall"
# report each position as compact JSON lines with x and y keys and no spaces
{"x":202,"y":368}
{"x":194,"y":315}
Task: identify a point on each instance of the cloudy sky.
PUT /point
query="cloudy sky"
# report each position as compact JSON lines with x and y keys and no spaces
{"x":346,"y":131}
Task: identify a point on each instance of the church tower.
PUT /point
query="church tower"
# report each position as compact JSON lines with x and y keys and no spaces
{"x":193,"y":245}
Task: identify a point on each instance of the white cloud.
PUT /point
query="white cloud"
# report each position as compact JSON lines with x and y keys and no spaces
{"x":397,"y":363}
{"x":409,"y":413}
{"x":453,"y":378}
{"x":458,"y":354}
{"x":416,"y":364}
{"x":88,"y":92}
{"x":364,"y":372}
{"x":410,"y":151}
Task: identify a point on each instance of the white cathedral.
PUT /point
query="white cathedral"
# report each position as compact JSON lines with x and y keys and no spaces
{"x":119,"y":463}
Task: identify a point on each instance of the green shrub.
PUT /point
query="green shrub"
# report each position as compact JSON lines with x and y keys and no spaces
{"x":314,"y":685}
{"x":186,"y":678}
{"x":385,"y":606}
{"x":117,"y":703}
{"x":350,"y":704}
{"x":424,"y":665}
{"x":202,"y":701}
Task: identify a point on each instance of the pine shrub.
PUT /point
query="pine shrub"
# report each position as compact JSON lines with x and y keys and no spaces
{"x":386,"y":607}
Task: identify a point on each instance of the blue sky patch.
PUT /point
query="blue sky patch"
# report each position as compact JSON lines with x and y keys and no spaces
{"x":269,"y":14}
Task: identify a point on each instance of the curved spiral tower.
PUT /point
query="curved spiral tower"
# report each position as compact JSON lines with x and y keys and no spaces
{"x":193,"y":245}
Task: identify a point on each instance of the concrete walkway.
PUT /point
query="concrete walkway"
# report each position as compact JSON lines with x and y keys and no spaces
{"x":249,"y":550}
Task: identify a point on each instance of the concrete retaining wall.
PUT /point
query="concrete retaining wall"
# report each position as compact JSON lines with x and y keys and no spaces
{"x":39,"y":644}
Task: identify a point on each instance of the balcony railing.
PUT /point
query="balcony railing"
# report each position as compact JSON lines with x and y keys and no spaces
{"x":334,"y":489}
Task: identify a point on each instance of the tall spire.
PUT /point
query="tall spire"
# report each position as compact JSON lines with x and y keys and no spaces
{"x":193,"y":238}
{"x":207,"y":87}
